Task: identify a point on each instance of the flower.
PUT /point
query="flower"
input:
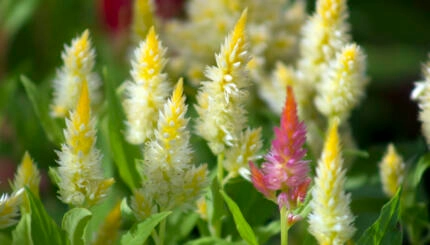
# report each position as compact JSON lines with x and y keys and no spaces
{"x":284,"y":175}
{"x":391,"y":170}
{"x":220,"y":100}
{"x":148,"y":90}
{"x":27,"y":175}
{"x":169,"y":179}
{"x":143,"y":18}
{"x":78,"y":61}
{"x":9,"y":208}
{"x":331,"y":220}
{"x":80,"y":171}
{"x":342,"y":85}
{"x":421,"y":93}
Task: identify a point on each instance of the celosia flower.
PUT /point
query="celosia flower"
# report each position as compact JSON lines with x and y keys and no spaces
{"x":27,"y":175}
{"x":220,"y":101}
{"x":169,"y":179}
{"x":109,"y":230}
{"x":342,"y":85}
{"x":391,"y":170}
{"x":146,"y":94}
{"x":78,"y":61}
{"x":421,"y":93}
{"x":284,"y":176}
{"x":9,"y":208}
{"x":80,"y":171}
{"x":331,"y":220}
{"x":247,"y":149}
{"x":143,"y":18}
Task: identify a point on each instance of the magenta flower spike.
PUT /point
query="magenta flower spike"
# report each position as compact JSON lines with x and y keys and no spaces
{"x":283,"y":177}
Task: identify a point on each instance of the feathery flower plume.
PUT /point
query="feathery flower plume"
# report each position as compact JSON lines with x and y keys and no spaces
{"x":247,"y":149}
{"x":220,"y":100}
{"x":143,"y":18}
{"x":146,"y":94}
{"x":331,"y":220}
{"x":169,"y":178}
{"x":284,"y":176}
{"x":421,"y":93}
{"x":79,"y":62}
{"x":81,"y":174}
{"x":391,"y":170}
{"x":9,"y":208}
{"x":27,"y":175}
{"x":109,"y":230}
{"x":342,"y":85}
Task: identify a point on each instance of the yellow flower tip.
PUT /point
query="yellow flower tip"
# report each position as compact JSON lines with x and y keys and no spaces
{"x":83,"y":107}
{"x":28,"y":175}
{"x":330,"y":10}
{"x":179,"y":90}
{"x":391,"y":171}
{"x":152,"y":56}
{"x":239,"y":29}
{"x":202,"y":208}
{"x":332,"y":145}
{"x":9,"y":208}
{"x":109,"y":230}
{"x":143,"y":17}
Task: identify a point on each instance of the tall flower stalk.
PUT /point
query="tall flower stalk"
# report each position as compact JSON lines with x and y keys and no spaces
{"x":81,"y":175}
{"x":331,"y":220}
{"x":283,"y":177}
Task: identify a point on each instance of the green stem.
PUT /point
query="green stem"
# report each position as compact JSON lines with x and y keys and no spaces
{"x":162,"y":232}
{"x":155,"y":237}
{"x":220,"y":168}
{"x":284,"y":226}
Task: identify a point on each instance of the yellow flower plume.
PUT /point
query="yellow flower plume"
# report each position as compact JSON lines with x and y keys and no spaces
{"x":391,"y":170}
{"x":27,"y":175}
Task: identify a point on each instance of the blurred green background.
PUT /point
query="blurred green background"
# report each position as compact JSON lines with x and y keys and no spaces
{"x":395,"y":35}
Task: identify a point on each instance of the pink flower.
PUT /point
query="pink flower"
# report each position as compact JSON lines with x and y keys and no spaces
{"x":283,"y":177}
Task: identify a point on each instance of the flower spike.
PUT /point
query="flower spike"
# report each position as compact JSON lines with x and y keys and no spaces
{"x":391,"y":170}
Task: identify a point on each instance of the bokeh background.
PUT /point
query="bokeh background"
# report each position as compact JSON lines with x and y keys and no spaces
{"x":395,"y":35}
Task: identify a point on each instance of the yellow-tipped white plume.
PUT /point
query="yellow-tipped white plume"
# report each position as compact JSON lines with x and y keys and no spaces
{"x":391,"y":170}
{"x":9,"y":208}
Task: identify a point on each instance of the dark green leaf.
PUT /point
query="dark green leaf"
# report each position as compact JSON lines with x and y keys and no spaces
{"x":179,"y":226}
{"x":212,"y":241}
{"x":421,"y":167}
{"x":244,"y":229}
{"x":44,"y":230}
{"x":138,"y":234}
{"x":74,"y":223}
{"x":22,"y":233}
{"x":386,"y":229}
{"x":40,"y":106}
{"x":124,"y":161}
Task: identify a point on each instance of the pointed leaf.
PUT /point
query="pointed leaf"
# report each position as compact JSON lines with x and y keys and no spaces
{"x":44,"y":230}
{"x":422,"y":166}
{"x":22,"y":233}
{"x":52,"y":129}
{"x":244,"y":229}
{"x":211,"y":241}
{"x":386,"y":229}
{"x":138,"y":234}
{"x":75,"y":223}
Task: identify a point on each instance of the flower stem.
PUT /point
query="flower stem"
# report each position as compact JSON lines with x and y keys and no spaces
{"x":284,"y":226}
{"x":220,"y":169}
{"x":162,"y":232}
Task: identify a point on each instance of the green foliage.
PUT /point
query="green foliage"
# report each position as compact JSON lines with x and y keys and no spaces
{"x":242,"y":226}
{"x":386,"y":229}
{"x":74,"y":223}
{"x":138,"y":234}
{"x":13,"y":14}
{"x":44,"y":230}
{"x":22,"y":233}
{"x":41,"y":107}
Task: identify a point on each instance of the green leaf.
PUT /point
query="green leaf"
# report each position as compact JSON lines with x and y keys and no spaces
{"x":138,"y":234}
{"x":264,"y":233}
{"x":242,"y":226}
{"x":75,"y":222}
{"x":421,"y":167}
{"x":216,"y":210}
{"x":211,"y":241}
{"x":179,"y":226}
{"x":124,"y":161}
{"x":44,"y":230}
{"x":40,"y":106}
{"x":386,"y":229}
{"x":22,"y":233}
{"x":17,"y":14}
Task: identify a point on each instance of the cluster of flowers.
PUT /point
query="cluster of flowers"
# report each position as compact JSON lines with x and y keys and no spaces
{"x":320,"y":83}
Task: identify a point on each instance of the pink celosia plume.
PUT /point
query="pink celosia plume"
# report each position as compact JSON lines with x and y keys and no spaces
{"x":284,"y":175}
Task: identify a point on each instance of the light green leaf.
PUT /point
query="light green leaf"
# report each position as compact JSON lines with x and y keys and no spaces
{"x":211,"y":241}
{"x":244,"y":229}
{"x":138,"y":234}
{"x":264,"y":233}
{"x":386,"y":229}
{"x":422,"y":166}
{"x":17,"y":14}
{"x":124,"y":161}
{"x":40,"y":106}
{"x":22,"y":233}
{"x":75,"y":222}
{"x":44,"y":230}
